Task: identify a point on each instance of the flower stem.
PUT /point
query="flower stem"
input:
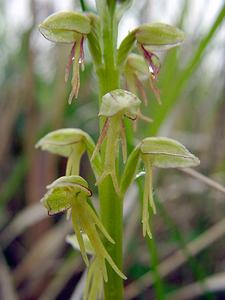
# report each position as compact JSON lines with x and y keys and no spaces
{"x":111,"y":204}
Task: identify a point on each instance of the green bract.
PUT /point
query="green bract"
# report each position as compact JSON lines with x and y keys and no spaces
{"x":119,"y":102}
{"x":159,"y":36}
{"x":167,"y":153}
{"x":65,"y":26}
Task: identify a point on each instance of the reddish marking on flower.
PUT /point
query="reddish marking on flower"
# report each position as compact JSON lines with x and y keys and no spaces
{"x":76,"y":59}
{"x":81,"y":60}
{"x":154,"y":68}
{"x":70,"y":62}
{"x":101,"y":138}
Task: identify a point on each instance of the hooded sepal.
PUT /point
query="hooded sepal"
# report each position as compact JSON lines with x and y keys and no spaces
{"x":71,"y":143}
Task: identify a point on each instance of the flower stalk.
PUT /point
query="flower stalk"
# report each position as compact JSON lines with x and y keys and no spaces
{"x":101,"y":235}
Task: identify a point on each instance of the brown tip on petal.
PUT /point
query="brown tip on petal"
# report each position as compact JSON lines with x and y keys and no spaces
{"x":81,"y":59}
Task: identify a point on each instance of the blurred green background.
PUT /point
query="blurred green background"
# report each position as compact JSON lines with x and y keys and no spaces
{"x":186,"y":258}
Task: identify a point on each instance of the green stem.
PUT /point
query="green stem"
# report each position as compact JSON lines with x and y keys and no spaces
{"x":83,"y":6}
{"x":111,"y":207}
{"x":159,"y":289}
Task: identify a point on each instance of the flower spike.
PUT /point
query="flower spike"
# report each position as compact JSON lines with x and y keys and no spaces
{"x":70,"y":143}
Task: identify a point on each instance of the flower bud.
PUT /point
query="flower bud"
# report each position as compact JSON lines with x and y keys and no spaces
{"x":136,"y":64}
{"x":65,"y":26}
{"x":136,"y":70}
{"x":119,"y":102}
{"x":159,"y":36}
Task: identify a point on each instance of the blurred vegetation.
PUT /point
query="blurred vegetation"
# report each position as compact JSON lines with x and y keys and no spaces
{"x":187,"y":253}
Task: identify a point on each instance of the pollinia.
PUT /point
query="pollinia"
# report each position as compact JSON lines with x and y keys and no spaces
{"x":98,"y":234}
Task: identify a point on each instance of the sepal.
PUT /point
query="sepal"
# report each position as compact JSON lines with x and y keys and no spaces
{"x":159,"y":36}
{"x":167,"y":153}
{"x":71,"y":143}
{"x":65,"y":26}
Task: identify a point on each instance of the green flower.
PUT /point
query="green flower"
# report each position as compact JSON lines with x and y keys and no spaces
{"x":115,"y":106}
{"x":70,"y":143}
{"x":150,"y":38}
{"x":72,"y":192}
{"x":161,"y":152}
{"x":156,"y":37}
{"x":69,"y":27}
